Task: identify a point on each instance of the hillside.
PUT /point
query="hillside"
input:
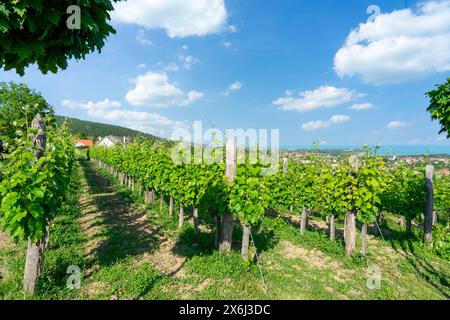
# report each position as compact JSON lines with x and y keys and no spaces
{"x":93,"y":130}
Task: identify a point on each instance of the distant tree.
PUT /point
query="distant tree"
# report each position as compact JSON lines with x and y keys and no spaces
{"x":47,"y":32}
{"x":83,"y":136}
{"x":94,"y":130}
{"x":18,"y":106}
{"x":440,"y":106}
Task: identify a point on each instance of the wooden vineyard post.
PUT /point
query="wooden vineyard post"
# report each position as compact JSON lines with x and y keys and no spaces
{"x":146,"y":195}
{"x":364,"y":239}
{"x":350,"y":218}
{"x":428,"y":215}
{"x":152,"y":196}
{"x":196,"y":220}
{"x":161,"y":203}
{"x":34,"y":252}
{"x":181,"y":216}
{"x":332,"y":228}
{"x":245,"y":242}
{"x":227,"y":221}
{"x":350,"y":233}
{"x":32,"y":265}
{"x":303,"y":221}
{"x":171,"y":206}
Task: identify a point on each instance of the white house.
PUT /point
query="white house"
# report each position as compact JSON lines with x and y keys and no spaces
{"x":111,"y":141}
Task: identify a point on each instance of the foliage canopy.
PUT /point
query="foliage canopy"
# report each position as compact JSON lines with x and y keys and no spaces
{"x":440,"y":106}
{"x":35,"y":31}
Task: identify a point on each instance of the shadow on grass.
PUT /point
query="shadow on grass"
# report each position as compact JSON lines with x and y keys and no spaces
{"x":203,"y":244}
{"x":126,"y":230}
{"x":406,"y":247}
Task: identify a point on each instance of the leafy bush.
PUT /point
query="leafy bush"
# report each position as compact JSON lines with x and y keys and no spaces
{"x":441,"y":241}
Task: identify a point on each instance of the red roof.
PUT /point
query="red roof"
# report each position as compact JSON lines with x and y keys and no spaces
{"x":86,"y":143}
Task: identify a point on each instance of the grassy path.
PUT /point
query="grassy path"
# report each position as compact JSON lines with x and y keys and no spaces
{"x":121,"y":245}
{"x":128,"y":250}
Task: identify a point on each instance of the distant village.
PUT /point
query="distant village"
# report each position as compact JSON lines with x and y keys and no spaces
{"x":440,"y":162}
{"x":108,"y":141}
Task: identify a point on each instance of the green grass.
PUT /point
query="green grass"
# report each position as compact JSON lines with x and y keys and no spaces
{"x":290,"y":266}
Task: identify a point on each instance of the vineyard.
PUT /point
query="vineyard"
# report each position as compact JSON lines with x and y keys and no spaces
{"x":357,"y":189}
{"x":34,"y":181}
{"x":152,"y":220}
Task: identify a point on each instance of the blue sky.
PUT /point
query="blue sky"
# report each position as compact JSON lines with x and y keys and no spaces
{"x":288,"y":65}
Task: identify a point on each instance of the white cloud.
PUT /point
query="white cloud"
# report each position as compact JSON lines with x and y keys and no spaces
{"x":397,"y":125}
{"x":185,"y":47}
{"x":180,"y":18}
{"x":227,"y":44}
{"x":172,"y":67}
{"x":322,"y":97}
{"x":398,"y":46}
{"x":142,"y":38}
{"x":138,"y":120}
{"x":235,"y":86}
{"x":91,"y":106}
{"x":188,"y":61}
{"x":315,"y":125}
{"x":142,"y":65}
{"x":339,"y":118}
{"x":362,"y":106}
{"x":321,"y":124}
{"x":232,"y":87}
{"x":194,"y":96}
{"x":232,"y":28}
{"x":155,"y":90}
{"x":289,"y":93}
{"x":441,"y":138}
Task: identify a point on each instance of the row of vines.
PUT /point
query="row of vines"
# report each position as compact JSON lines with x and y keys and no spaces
{"x":355,"y":189}
{"x":35,"y":171}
